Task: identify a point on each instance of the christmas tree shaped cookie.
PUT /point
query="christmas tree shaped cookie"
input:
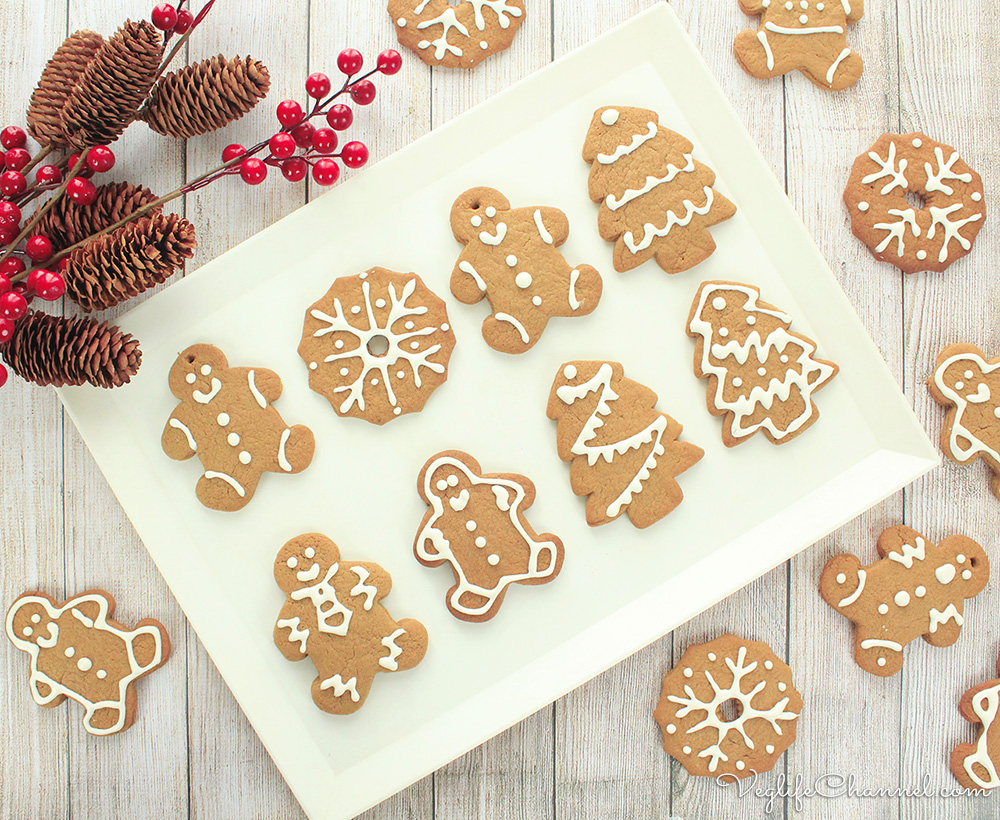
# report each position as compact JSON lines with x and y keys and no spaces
{"x":624,"y":453}
{"x":656,"y":200}
{"x":761,"y":375}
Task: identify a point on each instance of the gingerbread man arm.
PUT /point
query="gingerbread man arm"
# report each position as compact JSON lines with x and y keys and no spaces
{"x":752,"y":7}
{"x":857,"y":11}
{"x":368,"y":582}
{"x":265,"y":382}
{"x":290,"y":624}
{"x":466,"y":283}
{"x":178,"y":441}
{"x":555,"y":222}
{"x":93,"y":609}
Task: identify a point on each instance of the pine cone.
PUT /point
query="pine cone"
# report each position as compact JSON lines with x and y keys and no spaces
{"x":113,"y":86}
{"x":58,"y":351}
{"x":57,"y":81}
{"x":206,"y":96}
{"x":128,"y":261}
{"x":68,"y":223}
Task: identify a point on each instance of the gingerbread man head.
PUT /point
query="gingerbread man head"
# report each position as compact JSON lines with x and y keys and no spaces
{"x":195,"y":372}
{"x":479,"y":211}
{"x":29,"y":621}
{"x":304,"y":562}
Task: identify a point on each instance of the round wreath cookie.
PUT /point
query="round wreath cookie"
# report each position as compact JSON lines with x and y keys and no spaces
{"x":377,"y":345}
{"x":728,"y":708}
{"x":456,"y":35}
{"x":915,"y":239}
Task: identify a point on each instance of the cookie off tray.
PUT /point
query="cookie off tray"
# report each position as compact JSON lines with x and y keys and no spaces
{"x":746,"y":509}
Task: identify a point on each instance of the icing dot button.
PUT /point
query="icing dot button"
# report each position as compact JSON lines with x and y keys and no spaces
{"x":610,"y":116}
{"x":70,"y":651}
{"x":719,"y":303}
{"x":902,"y":598}
{"x":523,"y":280}
{"x":863,"y":206}
{"x":84,"y":664}
{"x":493,"y":560}
{"x":511,"y":260}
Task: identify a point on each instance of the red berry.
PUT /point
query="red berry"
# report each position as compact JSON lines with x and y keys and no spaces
{"x":340,"y":117}
{"x":11,"y":267}
{"x":349,"y":61}
{"x":3,"y":375}
{"x":295,"y":169}
{"x":8,"y":233}
{"x":13,"y":137}
{"x":282,"y":145}
{"x":363,"y":92}
{"x":32,"y":281}
{"x":100,"y":159}
{"x":13,"y":183}
{"x":49,"y":286}
{"x":13,"y":305}
{"x":4,"y":285}
{"x":326,"y":171}
{"x":48,"y":175}
{"x":16,"y":159}
{"x":62,"y":264}
{"x":325,"y":141}
{"x":81,"y":191}
{"x":184,"y":21}
{"x":38,"y":249}
{"x":231,"y":152}
{"x":10,"y":214}
{"x":317,"y":85}
{"x":355,"y":154}
{"x":6,"y":331}
{"x":22,"y":289}
{"x":289,"y":113}
{"x":164,"y":17}
{"x":389,"y":61}
{"x":253,"y":171}
{"x":303,"y":134}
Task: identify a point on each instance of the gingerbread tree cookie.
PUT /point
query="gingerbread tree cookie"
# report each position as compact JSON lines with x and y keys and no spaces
{"x":624,"y":453}
{"x":226,"y":418}
{"x":976,"y":766}
{"x":916,"y":589}
{"x":804,"y":35}
{"x":656,"y":200}
{"x":476,"y":523}
{"x":761,"y":375}
{"x":511,"y":258}
{"x":78,"y":652}
{"x":334,"y":615}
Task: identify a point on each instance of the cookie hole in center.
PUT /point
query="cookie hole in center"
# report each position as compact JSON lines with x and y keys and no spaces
{"x":729,"y":710}
{"x":378,"y":345}
{"x":915,"y":201}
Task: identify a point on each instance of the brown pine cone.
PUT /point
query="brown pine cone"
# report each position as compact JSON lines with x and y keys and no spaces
{"x":57,"y":81}
{"x":206,"y":96}
{"x":129,"y":260}
{"x":113,"y":86}
{"x":59,"y":351}
{"x":68,"y":223}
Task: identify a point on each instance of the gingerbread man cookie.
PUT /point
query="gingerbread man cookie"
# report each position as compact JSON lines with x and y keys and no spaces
{"x":805,"y":35}
{"x":728,"y":708}
{"x":624,"y":453}
{"x":476,"y":524}
{"x":968,"y":384}
{"x":334,"y":615}
{"x":914,"y":239}
{"x":77,"y":651}
{"x":761,"y":375}
{"x":511,"y":258}
{"x":976,"y":766}
{"x":377,"y":345}
{"x":225,"y":418}
{"x":917,"y":588}
{"x":456,"y":34}
{"x":657,"y":201}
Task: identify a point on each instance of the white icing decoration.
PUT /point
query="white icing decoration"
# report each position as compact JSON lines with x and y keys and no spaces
{"x":902,"y":598}
{"x":536,"y":300}
{"x":466,"y":267}
{"x":651,"y":232}
{"x":976,"y":196}
{"x":850,"y":599}
{"x":401,"y":22}
{"x":910,"y":553}
{"x":204,"y":398}
{"x":390,"y":661}
{"x":574,"y":276}
{"x":920,"y":591}
{"x":232,"y":482}
{"x":282,"y":458}
{"x":296,"y":635}
{"x":448,"y":21}
{"x":883,"y":609}
{"x":506,"y":317}
{"x":190,"y":378}
{"x":610,"y":116}
{"x":945,"y":170}
{"x":523,"y":280}
{"x":963,"y":442}
{"x":945,"y":573}
{"x":233,"y":439}
{"x":323,"y":597}
{"x":938,"y":617}
{"x":625,"y":150}
{"x":863,"y":206}
{"x":872,"y":643}
{"x":897,"y":178}
{"x":939,"y":216}
{"x":542,"y":230}
{"x":652,"y":182}
{"x":179,"y":425}
{"x":245,"y":457}
{"x":341,"y":688}
{"x":476,"y":221}
{"x":493,"y":560}
{"x":836,"y":64}
{"x":762,"y":36}
{"x":511,"y":261}
{"x":841,"y":577}
{"x":459,"y":502}
{"x":897,"y":230}
{"x":494,"y":239}
{"x":361,"y":588}
{"x":776,"y":29}
{"x":490,"y":212}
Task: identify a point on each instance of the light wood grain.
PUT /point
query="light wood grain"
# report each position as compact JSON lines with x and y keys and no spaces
{"x":930,"y":64}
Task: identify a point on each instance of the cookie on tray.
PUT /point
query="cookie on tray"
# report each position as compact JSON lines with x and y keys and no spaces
{"x":976,"y":765}
{"x":79,"y":652}
{"x":377,"y":345}
{"x":928,"y":236}
{"x":512,"y":259}
{"x":917,"y":588}
{"x":729,"y":708}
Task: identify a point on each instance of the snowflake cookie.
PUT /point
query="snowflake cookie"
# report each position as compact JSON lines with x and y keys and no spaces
{"x":761,"y":375}
{"x":656,"y":200}
{"x":333,"y":614}
{"x":624,"y":453}
{"x":728,"y":708}
{"x":226,"y":418}
{"x":78,"y":652}
{"x":804,"y":35}
{"x":968,"y":384}
{"x":456,"y":34}
{"x":476,"y":524}
{"x":511,"y":258}
{"x":377,"y":345}
{"x":927,"y":238}
{"x":917,"y":588}
{"x":976,"y":766}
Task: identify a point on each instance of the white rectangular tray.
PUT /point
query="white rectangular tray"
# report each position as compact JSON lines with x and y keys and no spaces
{"x":745,"y":510}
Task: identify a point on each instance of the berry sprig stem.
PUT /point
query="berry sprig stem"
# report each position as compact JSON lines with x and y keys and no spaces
{"x":37,"y":159}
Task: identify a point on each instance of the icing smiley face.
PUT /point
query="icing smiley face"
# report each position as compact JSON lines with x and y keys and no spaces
{"x":32,"y":622}
{"x":194,"y":375}
{"x":300,"y":564}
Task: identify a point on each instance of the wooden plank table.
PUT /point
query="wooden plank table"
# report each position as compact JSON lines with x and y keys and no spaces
{"x":932,"y":65}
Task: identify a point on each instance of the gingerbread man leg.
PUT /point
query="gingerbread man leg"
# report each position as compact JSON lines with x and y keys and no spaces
{"x":406,"y":646}
{"x":220,"y":491}
{"x":836,"y":67}
{"x":756,"y":55}
{"x":878,"y":656}
{"x":504,"y":332}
